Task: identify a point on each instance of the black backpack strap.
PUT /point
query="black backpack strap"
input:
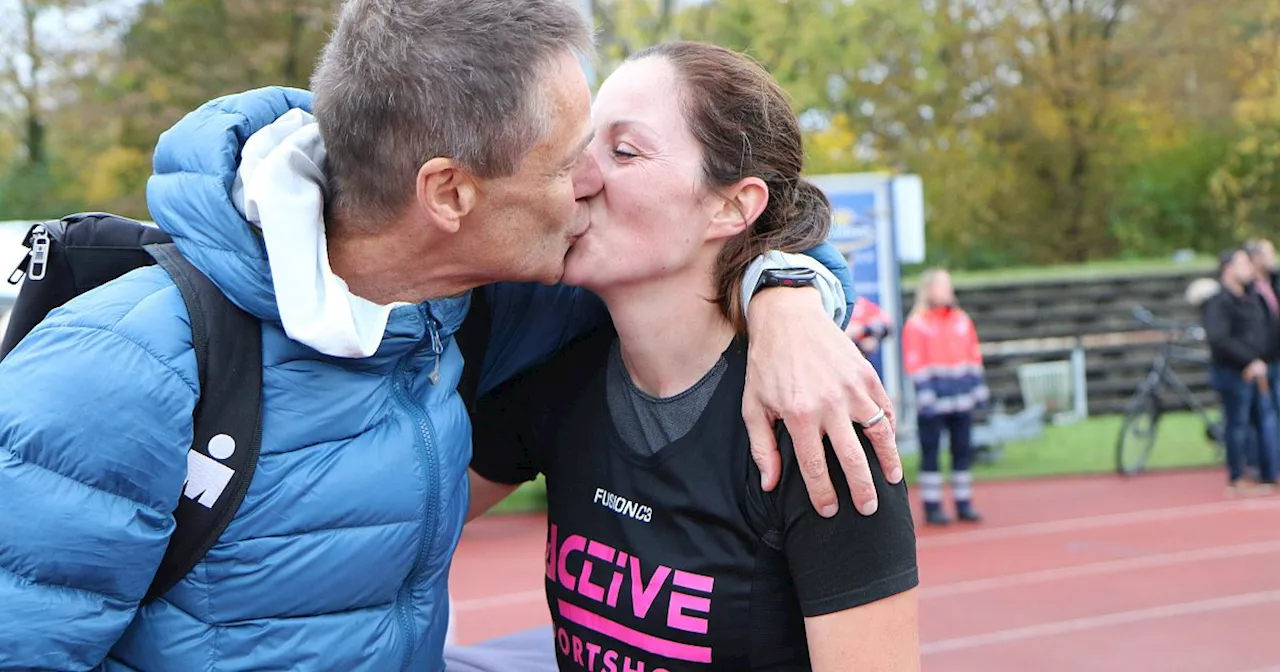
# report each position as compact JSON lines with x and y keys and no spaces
{"x":228,"y":431}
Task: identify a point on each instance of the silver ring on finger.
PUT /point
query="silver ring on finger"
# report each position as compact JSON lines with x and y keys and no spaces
{"x":874,"y":420}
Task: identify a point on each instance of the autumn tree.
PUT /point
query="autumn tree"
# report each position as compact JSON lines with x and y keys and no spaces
{"x":48,"y":45}
{"x":1044,"y":130}
{"x":1246,"y":188}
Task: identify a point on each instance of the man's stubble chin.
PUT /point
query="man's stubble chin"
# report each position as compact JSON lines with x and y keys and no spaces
{"x":554,"y":277}
{"x":552,"y":274}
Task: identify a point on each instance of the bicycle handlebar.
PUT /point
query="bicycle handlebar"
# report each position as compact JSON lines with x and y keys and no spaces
{"x":1146,"y":317}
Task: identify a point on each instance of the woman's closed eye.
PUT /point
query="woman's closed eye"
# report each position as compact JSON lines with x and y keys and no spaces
{"x":624,"y":152}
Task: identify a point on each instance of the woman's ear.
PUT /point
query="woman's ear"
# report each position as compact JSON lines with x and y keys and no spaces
{"x":740,"y":206}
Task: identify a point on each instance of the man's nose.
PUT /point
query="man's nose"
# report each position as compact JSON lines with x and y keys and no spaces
{"x":587,"y":179}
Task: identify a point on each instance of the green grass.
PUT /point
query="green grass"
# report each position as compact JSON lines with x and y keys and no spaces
{"x":1071,"y":271}
{"x":1086,"y":447}
{"x":1089,"y":447}
{"x":528,"y":498}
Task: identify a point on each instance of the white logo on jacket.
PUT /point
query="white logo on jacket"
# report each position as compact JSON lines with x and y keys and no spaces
{"x":207,"y":478}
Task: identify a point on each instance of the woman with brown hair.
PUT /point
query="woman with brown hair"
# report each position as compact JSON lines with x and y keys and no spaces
{"x":663,"y":551}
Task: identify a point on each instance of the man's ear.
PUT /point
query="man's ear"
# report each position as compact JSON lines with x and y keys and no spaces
{"x":739,"y":207}
{"x":446,"y":193}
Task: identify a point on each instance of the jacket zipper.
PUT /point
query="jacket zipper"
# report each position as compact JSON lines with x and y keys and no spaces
{"x":427,"y":458}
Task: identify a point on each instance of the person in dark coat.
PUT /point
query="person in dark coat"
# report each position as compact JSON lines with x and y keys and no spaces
{"x":1242,"y":335}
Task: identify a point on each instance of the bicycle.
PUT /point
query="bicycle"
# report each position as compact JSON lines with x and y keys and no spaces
{"x":1144,"y":409}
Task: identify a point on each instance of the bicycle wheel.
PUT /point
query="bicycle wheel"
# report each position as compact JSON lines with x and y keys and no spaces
{"x":1137,"y":434}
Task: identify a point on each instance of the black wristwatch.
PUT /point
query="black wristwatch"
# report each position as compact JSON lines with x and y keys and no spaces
{"x":786,"y":277}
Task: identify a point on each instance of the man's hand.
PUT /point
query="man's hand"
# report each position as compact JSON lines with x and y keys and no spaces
{"x":1256,"y":374}
{"x":803,"y":369}
{"x":1256,"y":369}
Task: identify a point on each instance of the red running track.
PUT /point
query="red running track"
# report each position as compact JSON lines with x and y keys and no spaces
{"x":1161,"y":572}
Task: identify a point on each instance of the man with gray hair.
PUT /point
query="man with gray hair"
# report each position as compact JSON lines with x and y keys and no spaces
{"x":445,"y":153}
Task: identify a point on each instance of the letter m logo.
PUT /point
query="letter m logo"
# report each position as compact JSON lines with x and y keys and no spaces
{"x":206,"y":479}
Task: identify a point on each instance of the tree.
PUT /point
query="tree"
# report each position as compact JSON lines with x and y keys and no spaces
{"x":174,"y":56}
{"x":1246,"y":188}
{"x":24,"y":71}
{"x":627,"y":26}
{"x":179,"y":54}
{"x":40,"y":54}
{"x":1044,"y":130}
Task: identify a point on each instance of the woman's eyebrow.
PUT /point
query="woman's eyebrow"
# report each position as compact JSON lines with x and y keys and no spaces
{"x":643,"y":130}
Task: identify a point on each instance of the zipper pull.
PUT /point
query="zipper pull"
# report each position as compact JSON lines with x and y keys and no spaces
{"x":30,"y":243}
{"x":436,"y":349}
{"x":39,"y":262}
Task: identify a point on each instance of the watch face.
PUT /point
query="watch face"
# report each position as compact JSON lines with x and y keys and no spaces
{"x":790,"y":277}
{"x":795,"y":273}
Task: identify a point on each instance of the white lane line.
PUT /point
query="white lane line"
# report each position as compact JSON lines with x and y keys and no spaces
{"x":1095,"y":522}
{"x":1099,"y":568}
{"x":1101,"y":621}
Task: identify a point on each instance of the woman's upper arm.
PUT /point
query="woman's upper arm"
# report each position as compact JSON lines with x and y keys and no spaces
{"x":880,"y":636}
{"x":485,"y":494}
{"x":851,"y":565}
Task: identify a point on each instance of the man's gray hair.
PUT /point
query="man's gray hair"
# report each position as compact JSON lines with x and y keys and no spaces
{"x":1255,"y":246}
{"x":403,"y":81}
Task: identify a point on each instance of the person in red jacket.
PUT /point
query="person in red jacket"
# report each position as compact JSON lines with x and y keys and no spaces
{"x":868,"y":325}
{"x":942,"y":358}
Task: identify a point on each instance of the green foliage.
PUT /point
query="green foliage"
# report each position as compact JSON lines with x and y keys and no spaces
{"x":32,"y":192}
{"x":1045,"y":131}
{"x":1162,"y":202}
{"x":1246,"y":188}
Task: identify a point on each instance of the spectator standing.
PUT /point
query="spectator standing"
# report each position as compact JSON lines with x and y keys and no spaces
{"x":1242,"y":336}
{"x":868,"y":325}
{"x":941,"y":355}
